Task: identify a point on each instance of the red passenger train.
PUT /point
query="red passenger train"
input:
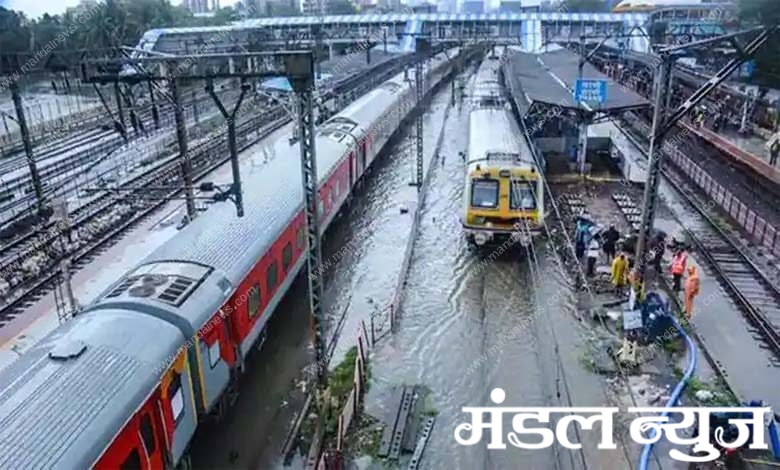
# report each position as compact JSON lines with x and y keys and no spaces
{"x":125,"y":383}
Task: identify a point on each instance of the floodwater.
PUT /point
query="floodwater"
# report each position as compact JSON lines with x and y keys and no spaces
{"x":469,"y":327}
{"x":456,"y":311}
{"x":374,"y":231}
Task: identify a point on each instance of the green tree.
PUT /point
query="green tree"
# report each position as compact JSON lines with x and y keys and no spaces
{"x":14,"y":31}
{"x":44,"y":30}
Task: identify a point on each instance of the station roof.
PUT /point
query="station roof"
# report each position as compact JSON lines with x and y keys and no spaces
{"x":549,"y":79}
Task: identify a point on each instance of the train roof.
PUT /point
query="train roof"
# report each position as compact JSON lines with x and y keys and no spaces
{"x":495,"y":131}
{"x":272,"y":196}
{"x":62,"y":403}
{"x":485,"y":90}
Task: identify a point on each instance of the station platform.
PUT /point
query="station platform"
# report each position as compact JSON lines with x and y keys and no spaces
{"x":729,"y":346}
{"x":752,"y":144}
{"x":743,"y":151}
{"x":623,"y":152}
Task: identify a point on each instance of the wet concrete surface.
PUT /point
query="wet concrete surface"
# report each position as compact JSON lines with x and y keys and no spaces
{"x":750,"y":369}
{"x":254,"y":430}
{"x":752,"y":144}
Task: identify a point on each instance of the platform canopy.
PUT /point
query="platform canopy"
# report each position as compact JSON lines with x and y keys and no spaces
{"x":548,"y":80}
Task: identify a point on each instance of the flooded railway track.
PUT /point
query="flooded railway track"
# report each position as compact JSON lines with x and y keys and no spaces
{"x":757,"y":297}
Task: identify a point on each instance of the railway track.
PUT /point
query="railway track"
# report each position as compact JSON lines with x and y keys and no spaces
{"x":43,"y":285}
{"x":19,"y":195}
{"x":204,"y":158}
{"x":757,"y":297}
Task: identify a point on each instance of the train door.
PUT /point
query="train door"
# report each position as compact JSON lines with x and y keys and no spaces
{"x":139,"y":445}
{"x":125,"y":452}
{"x":365,"y":146}
{"x":150,"y":430}
{"x":352,"y":167}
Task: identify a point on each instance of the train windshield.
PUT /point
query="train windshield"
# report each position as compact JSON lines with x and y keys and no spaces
{"x":484,"y":193}
{"x":522,"y":196}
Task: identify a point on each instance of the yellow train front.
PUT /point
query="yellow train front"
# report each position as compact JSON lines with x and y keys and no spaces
{"x":504,"y":190}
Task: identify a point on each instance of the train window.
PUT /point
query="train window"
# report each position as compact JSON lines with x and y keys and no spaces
{"x":132,"y":462}
{"x":254,"y":300}
{"x":320,"y":207}
{"x":484,"y":193}
{"x":270,"y":277}
{"x":177,"y":398}
{"x":214,"y":354}
{"x":522,"y":196}
{"x":286,"y":256}
{"x":301,"y":237}
{"x":147,"y":434}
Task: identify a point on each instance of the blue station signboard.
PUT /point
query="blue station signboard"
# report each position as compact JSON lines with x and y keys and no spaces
{"x":590,"y":91}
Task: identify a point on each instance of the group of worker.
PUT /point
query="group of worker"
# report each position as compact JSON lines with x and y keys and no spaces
{"x":623,"y":273}
{"x":622,"y":265}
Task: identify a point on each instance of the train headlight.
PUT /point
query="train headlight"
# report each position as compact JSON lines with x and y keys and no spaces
{"x":480,"y":239}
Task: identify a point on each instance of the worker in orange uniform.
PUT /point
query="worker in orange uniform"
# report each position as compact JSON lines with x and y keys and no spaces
{"x":679,"y":260}
{"x":619,"y":271}
{"x":691,"y":290}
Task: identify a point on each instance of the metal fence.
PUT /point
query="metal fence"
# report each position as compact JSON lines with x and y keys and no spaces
{"x":355,"y":398}
{"x":331,"y":459}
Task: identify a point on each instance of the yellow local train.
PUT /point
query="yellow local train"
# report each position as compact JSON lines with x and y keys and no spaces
{"x":503,"y":199}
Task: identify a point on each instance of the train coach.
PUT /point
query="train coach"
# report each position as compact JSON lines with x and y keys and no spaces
{"x":503,"y":196}
{"x":126,"y":383}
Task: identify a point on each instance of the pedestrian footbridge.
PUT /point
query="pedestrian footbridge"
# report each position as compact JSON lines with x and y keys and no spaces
{"x":531,"y":30}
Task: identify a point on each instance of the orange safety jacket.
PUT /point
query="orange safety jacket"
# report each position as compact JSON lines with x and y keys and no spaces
{"x":678,"y":263}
